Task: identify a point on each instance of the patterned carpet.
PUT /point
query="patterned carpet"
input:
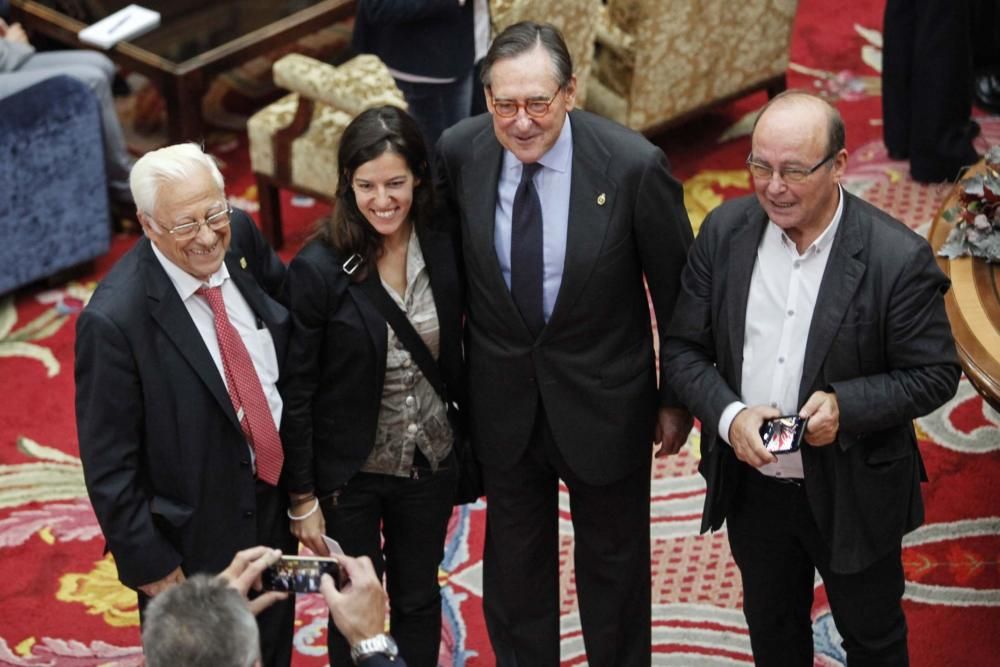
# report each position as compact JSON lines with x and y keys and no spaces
{"x":60,"y":603}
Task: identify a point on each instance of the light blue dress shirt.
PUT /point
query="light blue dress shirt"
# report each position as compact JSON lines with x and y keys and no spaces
{"x":552,"y":182}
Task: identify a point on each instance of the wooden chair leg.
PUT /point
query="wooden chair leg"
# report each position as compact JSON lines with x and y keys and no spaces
{"x":270,"y":211}
{"x":776,"y":86}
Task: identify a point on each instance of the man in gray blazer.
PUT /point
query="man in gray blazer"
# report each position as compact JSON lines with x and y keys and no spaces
{"x":805,"y":300}
{"x":562,"y":380}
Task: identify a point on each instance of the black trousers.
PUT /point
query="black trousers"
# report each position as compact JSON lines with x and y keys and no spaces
{"x":927,"y":75}
{"x":277,"y":623}
{"x":778,"y":549}
{"x":411,"y":516}
{"x":521,"y":560}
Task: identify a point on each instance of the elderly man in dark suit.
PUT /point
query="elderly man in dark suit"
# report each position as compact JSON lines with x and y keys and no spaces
{"x":805,"y":300}
{"x":561,"y":214}
{"x":177,"y":356}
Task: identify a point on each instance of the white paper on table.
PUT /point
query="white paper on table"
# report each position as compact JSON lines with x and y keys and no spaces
{"x":124,"y":24}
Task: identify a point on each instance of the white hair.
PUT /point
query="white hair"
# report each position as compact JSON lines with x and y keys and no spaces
{"x":169,"y":164}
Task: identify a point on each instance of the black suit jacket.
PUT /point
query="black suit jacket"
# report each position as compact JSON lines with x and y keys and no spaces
{"x":592,"y":366}
{"x":332,"y":384}
{"x":879,"y":338}
{"x":165,"y":461}
{"x":433,"y":38}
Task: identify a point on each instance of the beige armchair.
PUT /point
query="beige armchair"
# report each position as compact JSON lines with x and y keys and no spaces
{"x":576,"y":20}
{"x":293,"y":141}
{"x":659,"y":63}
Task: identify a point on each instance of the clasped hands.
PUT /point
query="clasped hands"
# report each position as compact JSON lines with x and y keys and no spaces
{"x":821,"y":409}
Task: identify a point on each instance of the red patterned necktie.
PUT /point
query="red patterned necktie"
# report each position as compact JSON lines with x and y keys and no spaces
{"x":246,"y":392}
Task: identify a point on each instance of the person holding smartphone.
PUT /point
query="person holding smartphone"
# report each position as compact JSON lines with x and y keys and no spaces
{"x":806,"y":301}
{"x":367,"y":436}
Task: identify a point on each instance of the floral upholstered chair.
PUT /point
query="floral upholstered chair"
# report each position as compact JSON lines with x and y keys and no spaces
{"x":575,"y":19}
{"x":293,"y":141}
{"x":659,"y":63}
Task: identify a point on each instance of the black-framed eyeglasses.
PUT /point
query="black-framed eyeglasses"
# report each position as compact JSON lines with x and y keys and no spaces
{"x":763,"y":172}
{"x":535,"y":108}
{"x":216,"y":222}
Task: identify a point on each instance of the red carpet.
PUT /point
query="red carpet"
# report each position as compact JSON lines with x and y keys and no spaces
{"x":60,"y":603}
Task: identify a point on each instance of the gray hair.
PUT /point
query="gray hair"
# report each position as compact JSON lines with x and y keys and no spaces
{"x":169,"y":164}
{"x":200,"y":623}
{"x":524,"y":37}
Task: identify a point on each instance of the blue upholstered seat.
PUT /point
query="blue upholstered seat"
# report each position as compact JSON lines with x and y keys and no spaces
{"x":53,"y":192}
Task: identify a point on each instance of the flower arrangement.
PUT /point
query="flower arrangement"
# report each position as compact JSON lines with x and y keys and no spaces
{"x":977,"y":230}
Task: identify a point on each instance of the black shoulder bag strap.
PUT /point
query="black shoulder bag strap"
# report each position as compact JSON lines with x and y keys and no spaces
{"x":372,"y":287}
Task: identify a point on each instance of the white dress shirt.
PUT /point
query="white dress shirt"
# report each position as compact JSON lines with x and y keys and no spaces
{"x":783,"y":291}
{"x":254,"y":333}
{"x":552,"y":183}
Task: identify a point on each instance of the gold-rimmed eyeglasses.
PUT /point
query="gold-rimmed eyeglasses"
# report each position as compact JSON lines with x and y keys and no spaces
{"x":188,"y":230}
{"x":536,"y":108}
{"x":763,"y":172}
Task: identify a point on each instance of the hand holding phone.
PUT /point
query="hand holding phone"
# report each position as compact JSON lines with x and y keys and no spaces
{"x":783,"y":435}
{"x":301,"y":574}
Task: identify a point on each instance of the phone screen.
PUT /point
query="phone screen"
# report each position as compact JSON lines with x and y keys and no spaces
{"x":300,"y":574}
{"x":783,"y":435}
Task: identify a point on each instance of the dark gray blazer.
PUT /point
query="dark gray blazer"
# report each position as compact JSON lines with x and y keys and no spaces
{"x":592,"y":366}
{"x":164,"y":458}
{"x":879,"y":338}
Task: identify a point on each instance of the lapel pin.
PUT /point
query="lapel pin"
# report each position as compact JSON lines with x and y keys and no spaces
{"x":243,"y":262}
{"x":601,"y":198}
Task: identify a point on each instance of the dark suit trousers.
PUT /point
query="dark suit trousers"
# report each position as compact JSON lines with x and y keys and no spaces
{"x":276,"y":623}
{"x":778,"y":548}
{"x":521,"y":560}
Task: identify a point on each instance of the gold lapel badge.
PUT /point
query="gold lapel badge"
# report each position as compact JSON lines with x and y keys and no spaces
{"x":601,"y":198}
{"x":243,"y":262}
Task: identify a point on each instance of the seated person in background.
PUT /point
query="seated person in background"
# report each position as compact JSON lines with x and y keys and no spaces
{"x":207,"y":621}
{"x":21,"y":67}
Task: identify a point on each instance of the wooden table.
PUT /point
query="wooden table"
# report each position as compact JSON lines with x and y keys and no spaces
{"x":195,"y":41}
{"x":973,"y":304}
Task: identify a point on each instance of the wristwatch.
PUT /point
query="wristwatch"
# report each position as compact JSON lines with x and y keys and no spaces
{"x":381,"y":643}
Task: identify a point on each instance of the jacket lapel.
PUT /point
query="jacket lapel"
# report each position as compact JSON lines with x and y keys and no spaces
{"x":743,"y":247}
{"x":841,"y":279}
{"x":480,"y":180}
{"x":444,"y":284}
{"x":170,"y":314}
{"x":375,"y":324}
{"x":587,"y":222}
{"x":268,"y":310}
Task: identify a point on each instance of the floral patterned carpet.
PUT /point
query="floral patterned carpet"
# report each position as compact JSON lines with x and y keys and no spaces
{"x":61,"y":604}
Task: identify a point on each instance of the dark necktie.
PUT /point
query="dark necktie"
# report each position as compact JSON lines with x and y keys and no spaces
{"x":526,"y":260}
{"x":246,"y":392}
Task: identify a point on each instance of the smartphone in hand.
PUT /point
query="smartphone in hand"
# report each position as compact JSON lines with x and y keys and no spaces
{"x":783,"y":435}
{"x":301,"y":574}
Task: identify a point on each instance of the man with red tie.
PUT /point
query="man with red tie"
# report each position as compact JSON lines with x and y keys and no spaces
{"x":177,"y":359}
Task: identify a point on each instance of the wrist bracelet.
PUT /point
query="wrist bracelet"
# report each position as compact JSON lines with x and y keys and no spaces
{"x":308,"y":514}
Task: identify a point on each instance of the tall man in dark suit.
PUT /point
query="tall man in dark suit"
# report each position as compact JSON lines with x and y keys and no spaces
{"x":177,"y":356}
{"x":806,"y":300}
{"x":561,"y":213}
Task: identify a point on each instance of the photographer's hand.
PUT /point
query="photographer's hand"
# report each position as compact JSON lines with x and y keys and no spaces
{"x":244,"y":573}
{"x":358,"y":610}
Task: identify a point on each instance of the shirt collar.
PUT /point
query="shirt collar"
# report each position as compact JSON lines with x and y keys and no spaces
{"x":824,"y":240}
{"x":558,"y":158}
{"x":186,"y":284}
{"x":414,"y":258}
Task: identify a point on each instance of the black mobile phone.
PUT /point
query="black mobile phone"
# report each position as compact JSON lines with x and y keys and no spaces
{"x":301,"y":574}
{"x":783,"y":435}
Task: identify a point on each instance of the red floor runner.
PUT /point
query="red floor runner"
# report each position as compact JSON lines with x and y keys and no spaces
{"x":59,"y":598}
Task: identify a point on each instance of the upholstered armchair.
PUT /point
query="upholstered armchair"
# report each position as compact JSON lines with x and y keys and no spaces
{"x":293,"y":142}
{"x":53,"y":191}
{"x":576,"y":19}
{"x":659,"y":63}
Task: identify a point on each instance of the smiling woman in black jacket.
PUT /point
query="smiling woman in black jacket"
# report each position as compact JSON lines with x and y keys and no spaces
{"x":368,"y":442}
